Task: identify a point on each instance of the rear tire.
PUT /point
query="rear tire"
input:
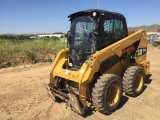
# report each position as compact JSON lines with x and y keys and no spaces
{"x":106,"y":94}
{"x":133,"y":81}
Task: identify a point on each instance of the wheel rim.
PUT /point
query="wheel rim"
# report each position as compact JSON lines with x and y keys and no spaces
{"x":112,"y":95}
{"x":138,"y":82}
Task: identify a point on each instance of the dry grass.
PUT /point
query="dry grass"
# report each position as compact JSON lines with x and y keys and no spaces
{"x":28,"y":51}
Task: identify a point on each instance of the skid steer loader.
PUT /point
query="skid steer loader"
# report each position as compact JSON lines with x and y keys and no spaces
{"x":102,"y":60}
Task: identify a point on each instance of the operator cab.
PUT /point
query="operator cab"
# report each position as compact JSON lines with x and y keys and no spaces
{"x":91,"y":31}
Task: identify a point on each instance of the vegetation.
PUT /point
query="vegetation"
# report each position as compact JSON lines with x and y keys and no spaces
{"x":15,"y":37}
{"x":17,"y":51}
{"x":24,"y":49}
{"x":151,"y":28}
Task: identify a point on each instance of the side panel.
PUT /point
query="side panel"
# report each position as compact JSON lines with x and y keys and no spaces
{"x":60,"y":59}
{"x":120,"y":67}
{"x":141,"y":54}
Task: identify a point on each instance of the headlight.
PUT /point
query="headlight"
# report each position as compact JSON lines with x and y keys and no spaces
{"x":94,"y":14}
{"x":69,"y":18}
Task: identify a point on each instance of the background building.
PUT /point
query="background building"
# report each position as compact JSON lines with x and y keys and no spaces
{"x":51,"y":35}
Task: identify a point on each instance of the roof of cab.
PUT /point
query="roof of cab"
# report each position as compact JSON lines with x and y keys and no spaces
{"x":93,"y":10}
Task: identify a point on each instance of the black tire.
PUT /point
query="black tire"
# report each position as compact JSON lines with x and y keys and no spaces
{"x":106,"y":94}
{"x":133,"y":81}
{"x":155,"y":44}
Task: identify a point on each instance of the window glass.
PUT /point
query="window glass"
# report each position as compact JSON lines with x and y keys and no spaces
{"x":113,"y":28}
{"x":81,"y":29}
{"x":108,"y":25}
{"x":82,"y":40}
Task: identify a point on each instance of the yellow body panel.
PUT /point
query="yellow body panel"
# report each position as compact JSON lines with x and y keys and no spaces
{"x":85,"y":74}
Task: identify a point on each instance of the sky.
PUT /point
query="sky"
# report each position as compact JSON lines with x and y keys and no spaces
{"x":50,"y":16}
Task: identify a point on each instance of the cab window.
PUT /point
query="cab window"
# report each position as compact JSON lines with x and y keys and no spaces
{"x":113,"y":29}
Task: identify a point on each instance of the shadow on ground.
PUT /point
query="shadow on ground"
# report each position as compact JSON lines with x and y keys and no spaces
{"x":90,"y":110}
{"x":147,"y":82}
{"x":147,"y":79}
{"x":124,"y":99}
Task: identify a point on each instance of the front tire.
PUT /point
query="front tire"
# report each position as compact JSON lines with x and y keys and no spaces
{"x":133,"y":81}
{"x":106,"y":94}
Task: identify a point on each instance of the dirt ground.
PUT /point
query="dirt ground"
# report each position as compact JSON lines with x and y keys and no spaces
{"x":23,"y":96}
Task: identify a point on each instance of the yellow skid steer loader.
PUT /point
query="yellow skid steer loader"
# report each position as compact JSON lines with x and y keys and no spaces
{"x":102,"y":60}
